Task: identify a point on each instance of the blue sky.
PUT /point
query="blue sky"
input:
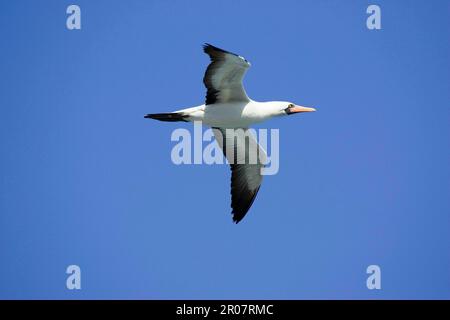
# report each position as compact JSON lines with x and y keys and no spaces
{"x":86,"y":180}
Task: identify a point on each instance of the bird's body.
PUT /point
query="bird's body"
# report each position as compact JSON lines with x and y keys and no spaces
{"x":233,"y":114}
{"x":230,"y":112}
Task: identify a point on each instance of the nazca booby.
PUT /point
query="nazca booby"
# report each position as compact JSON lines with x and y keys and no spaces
{"x":229,"y":110}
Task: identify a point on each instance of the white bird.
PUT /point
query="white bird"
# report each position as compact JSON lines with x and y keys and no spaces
{"x":227,"y":110}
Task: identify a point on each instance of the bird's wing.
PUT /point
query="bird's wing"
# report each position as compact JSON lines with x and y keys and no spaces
{"x":246,"y":158}
{"x":223,"y":77}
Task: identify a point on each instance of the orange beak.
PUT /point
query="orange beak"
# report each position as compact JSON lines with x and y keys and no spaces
{"x":297,"y":109}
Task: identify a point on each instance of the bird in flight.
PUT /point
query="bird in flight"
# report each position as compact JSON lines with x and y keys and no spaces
{"x":230,"y":112}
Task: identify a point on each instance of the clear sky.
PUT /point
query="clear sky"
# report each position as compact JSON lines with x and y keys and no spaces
{"x":86,"y":180}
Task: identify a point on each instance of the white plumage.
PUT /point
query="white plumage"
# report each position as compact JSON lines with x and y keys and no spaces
{"x":227,"y":106}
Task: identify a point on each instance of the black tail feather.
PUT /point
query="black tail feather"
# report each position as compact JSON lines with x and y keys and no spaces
{"x":169,"y":117}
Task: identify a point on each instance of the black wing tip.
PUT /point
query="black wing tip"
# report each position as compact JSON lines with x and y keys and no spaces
{"x":238,"y":213}
{"x":237,"y":217}
{"x":240,"y":210}
{"x":208,"y":48}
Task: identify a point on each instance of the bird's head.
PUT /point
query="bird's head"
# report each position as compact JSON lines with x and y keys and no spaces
{"x":271,"y":109}
{"x":289,"y":108}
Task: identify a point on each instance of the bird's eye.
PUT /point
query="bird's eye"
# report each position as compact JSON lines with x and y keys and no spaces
{"x":291,"y":105}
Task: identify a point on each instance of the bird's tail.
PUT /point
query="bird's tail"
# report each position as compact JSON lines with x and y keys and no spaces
{"x":169,"y":117}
